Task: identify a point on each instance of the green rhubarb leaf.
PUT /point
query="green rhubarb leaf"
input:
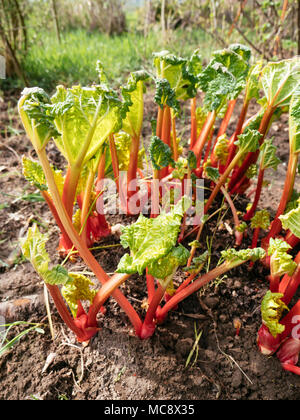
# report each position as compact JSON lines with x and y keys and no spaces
{"x":267,"y":157}
{"x":235,"y":257}
{"x":280,"y":80}
{"x":123,"y":144}
{"x":191,"y":160}
{"x":272,"y":308}
{"x":294,"y":122}
{"x":217,"y":83}
{"x":33,"y":247}
{"x":212,"y":173}
{"x":165,"y":95}
{"x":248,"y":141}
{"x":180,"y":169}
{"x":235,"y":59}
{"x":252,"y":85}
{"x":56,"y":276}
{"x":133,"y":94}
{"x":291,"y":220}
{"x":165,"y":268}
{"x":34,"y":174}
{"x":160,"y":154}
{"x":149,"y":240}
{"x":35,"y":111}
{"x":181,"y":73}
{"x":197,"y":263}
{"x":252,"y":171}
{"x":261,"y":220}
{"x":281,"y":262}
{"x":78,"y":288}
{"x":221,"y":149}
{"x":85,"y":117}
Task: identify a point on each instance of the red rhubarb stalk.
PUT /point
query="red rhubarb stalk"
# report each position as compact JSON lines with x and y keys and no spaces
{"x":193,"y":122}
{"x":250,"y":213}
{"x":203,"y":137}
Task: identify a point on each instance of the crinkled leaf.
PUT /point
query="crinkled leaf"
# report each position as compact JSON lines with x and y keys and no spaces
{"x":281,"y":262}
{"x":261,"y":220}
{"x":165,"y":267}
{"x":242,"y":227}
{"x":179,"y":72}
{"x":217,"y":83}
{"x":35,"y":111}
{"x":165,"y":95}
{"x":160,"y":153}
{"x":221,"y":149}
{"x":235,"y":59}
{"x":291,"y":220}
{"x":78,"y":288}
{"x":212,"y":173}
{"x":252,"y":171}
{"x":180,"y":169}
{"x":233,"y":256}
{"x":248,"y":141}
{"x":294,"y":122}
{"x":33,"y":248}
{"x":56,"y":276}
{"x":123,"y":144}
{"x":201,"y":116}
{"x":280,"y":80}
{"x":267,"y":157}
{"x":197,"y":263}
{"x":149,"y":239}
{"x":34,"y":174}
{"x":133,"y":94}
{"x":191,"y":160}
{"x":272,"y":308}
{"x":252,"y":84}
{"x":85,"y":117}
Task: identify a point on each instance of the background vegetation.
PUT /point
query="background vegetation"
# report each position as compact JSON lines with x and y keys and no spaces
{"x":44,"y":41}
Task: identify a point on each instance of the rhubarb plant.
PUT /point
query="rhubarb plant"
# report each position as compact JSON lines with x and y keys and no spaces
{"x":99,"y":133}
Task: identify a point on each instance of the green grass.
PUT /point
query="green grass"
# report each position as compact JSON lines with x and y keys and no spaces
{"x":49,"y":63}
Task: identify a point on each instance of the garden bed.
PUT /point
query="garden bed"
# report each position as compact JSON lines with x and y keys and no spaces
{"x":116,"y":364}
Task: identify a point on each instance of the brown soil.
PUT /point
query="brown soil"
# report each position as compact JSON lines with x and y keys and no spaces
{"x":116,"y":365}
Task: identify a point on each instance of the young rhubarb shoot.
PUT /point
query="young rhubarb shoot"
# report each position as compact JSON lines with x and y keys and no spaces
{"x":163,"y":270}
{"x":33,"y":248}
{"x":272,"y":308}
{"x":232,"y":257}
{"x":280,"y":262}
{"x":288,"y":354}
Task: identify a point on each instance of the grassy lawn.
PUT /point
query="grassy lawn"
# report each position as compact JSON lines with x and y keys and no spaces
{"x":49,"y":63}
